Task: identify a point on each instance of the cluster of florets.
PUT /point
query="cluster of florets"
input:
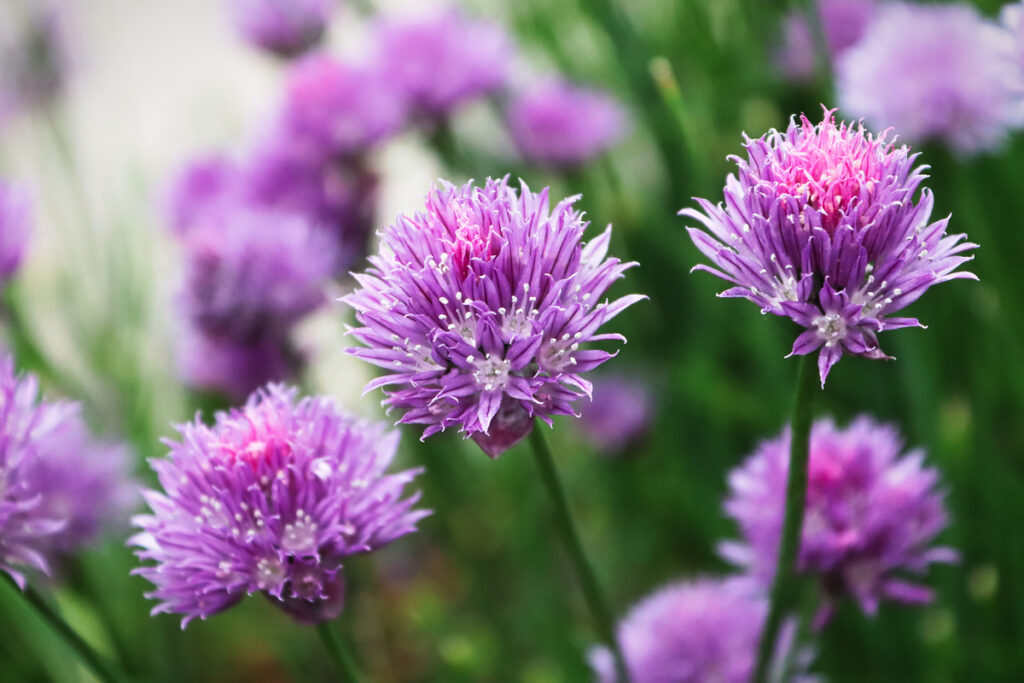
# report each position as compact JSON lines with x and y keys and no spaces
{"x":286,"y":28}
{"x":481,"y":308}
{"x":562,"y":125}
{"x":822,"y":225}
{"x":61,"y":487}
{"x":872,"y":514}
{"x":696,"y":631}
{"x":271,"y":499}
{"x":958,"y":80}
{"x":15,"y":227}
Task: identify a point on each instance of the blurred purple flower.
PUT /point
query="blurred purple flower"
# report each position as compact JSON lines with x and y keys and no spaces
{"x":82,"y":480}
{"x":235,"y":368}
{"x":619,"y":414}
{"x":478,"y":307}
{"x":34,"y":58}
{"x":27,"y":525}
{"x":339,"y":198}
{"x":956,"y":79}
{"x":286,"y":28}
{"x":15,"y":227}
{"x":272,"y":498}
{"x":204,"y":186}
{"x":337,"y":110}
{"x":1012,"y":17}
{"x":821,"y":226}
{"x":443,"y":59}
{"x":559,"y":124}
{"x":695,"y":632}
{"x":250,"y":273}
{"x":60,"y":487}
{"x":843,"y":22}
{"x":871,"y":515}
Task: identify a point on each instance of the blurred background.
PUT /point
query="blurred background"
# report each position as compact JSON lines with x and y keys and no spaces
{"x":121,"y":97}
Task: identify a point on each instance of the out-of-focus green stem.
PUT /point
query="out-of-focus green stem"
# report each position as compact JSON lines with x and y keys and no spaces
{"x":592,"y":593}
{"x":89,"y":657}
{"x":785,"y":587}
{"x":668,"y":87}
{"x":340,"y":658}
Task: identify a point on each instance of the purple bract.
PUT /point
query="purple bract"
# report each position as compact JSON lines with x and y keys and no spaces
{"x":821,"y":225}
{"x":272,"y":498}
{"x":479,"y":309}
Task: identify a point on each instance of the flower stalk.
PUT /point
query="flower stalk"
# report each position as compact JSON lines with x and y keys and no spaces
{"x":97,"y":665}
{"x":339,"y":655}
{"x":785,"y":586}
{"x":596,"y":601}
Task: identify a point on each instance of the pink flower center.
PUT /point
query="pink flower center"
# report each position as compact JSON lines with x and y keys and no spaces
{"x":471,"y":239}
{"x":831,"y":168}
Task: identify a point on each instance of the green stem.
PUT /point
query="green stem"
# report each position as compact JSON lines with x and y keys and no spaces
{"x":340,"y":658}
{"x":785,"y":586}
{"x":592,"y":593}
{"x":89,"y":657}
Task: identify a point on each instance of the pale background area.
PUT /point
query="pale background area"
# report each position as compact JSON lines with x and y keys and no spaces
{"x":154,"y":83}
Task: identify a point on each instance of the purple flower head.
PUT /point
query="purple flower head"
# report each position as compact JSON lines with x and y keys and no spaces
{"x":821,"y":225}
{"x":27,"y":524}
{"x":480,"y":308}
{"x":696,"y":631}
{"x":559,"y":124}
{"x":334,"y":109}
{"x":252,"y":273}
{"x":35,"y":59}
{"x":286,"y":28}
{"x":843,"y":22}
{"x":272,"y":498}
{"x":620,"y":413}
{"x":934,"y":72}
{"x":83,"y":481}
{"x":442,"y":59}
{"x":236,"y":368}
{"x":871,"y":513}
{"x":204,"y":186}
{"x":338,"y":197}
{"x":15,"y":227}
